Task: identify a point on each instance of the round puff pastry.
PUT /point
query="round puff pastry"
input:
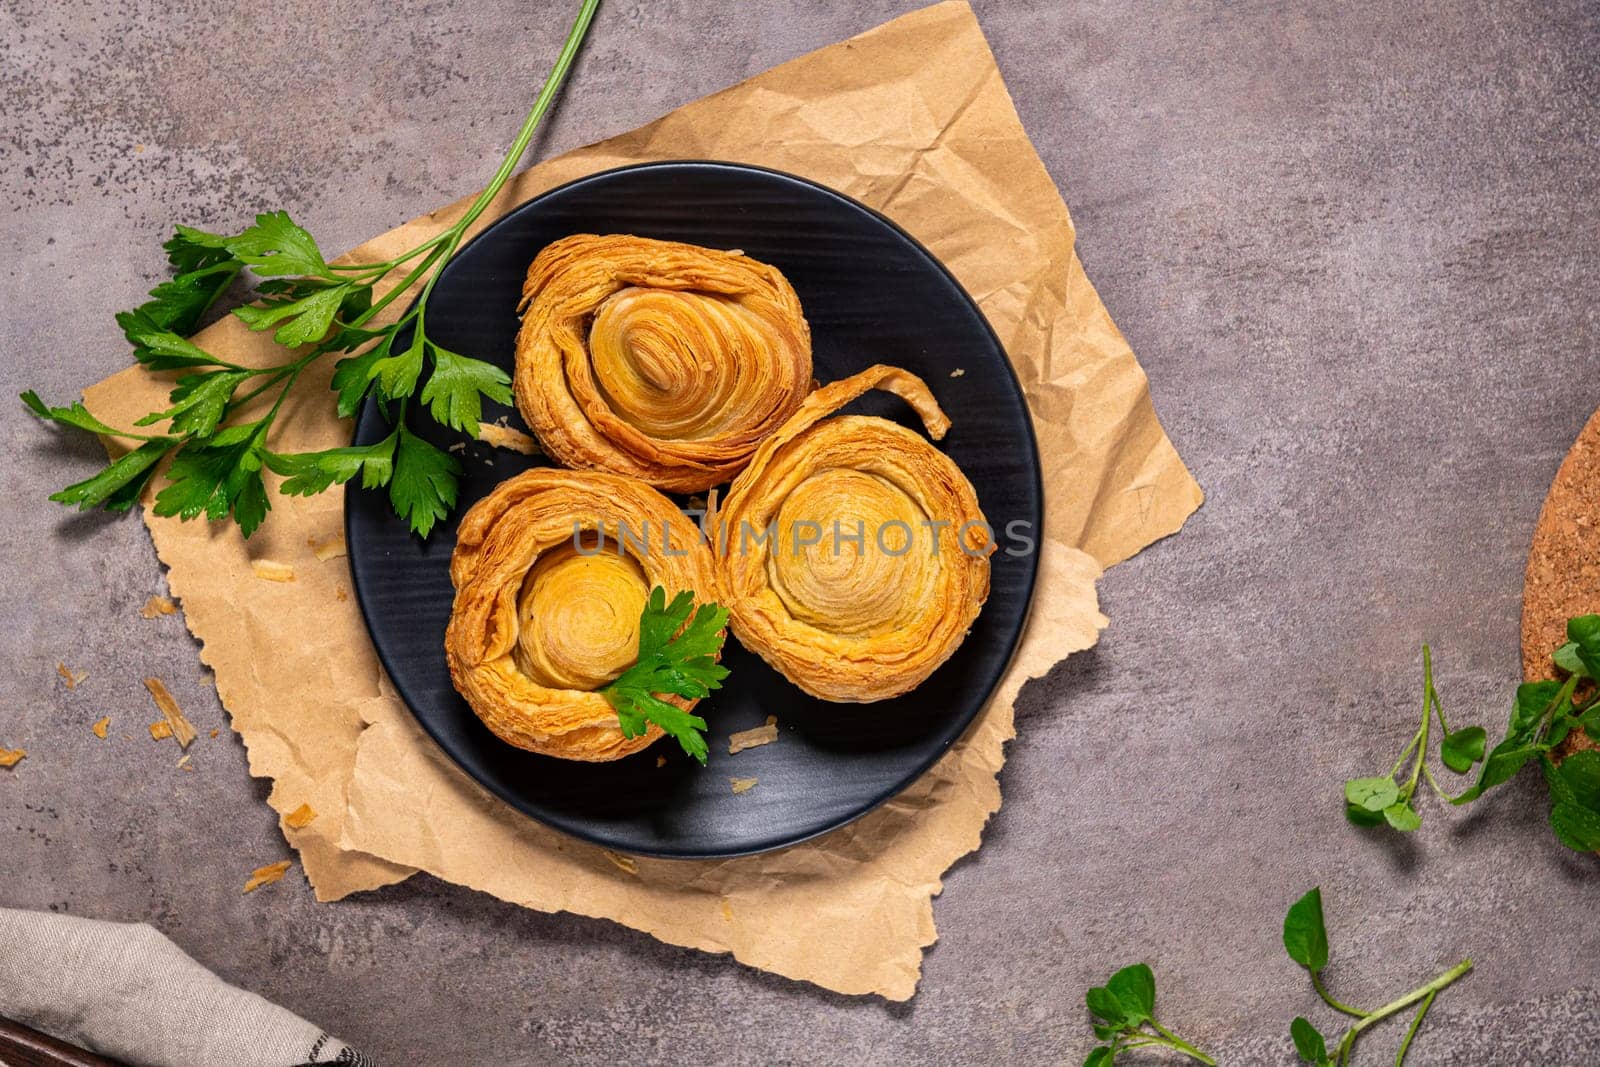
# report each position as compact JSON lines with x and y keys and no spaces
{"x":866,"y":609}
{"x":545,"y":614}
{"x":663,"y":361}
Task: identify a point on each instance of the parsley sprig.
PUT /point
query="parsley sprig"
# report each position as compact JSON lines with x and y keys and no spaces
{"x":1122,"y":1010}
{"x":1305,"y":938}
{"x":678,"y":648}
{"x":317,"y":309}
{"x":1543,"y":715}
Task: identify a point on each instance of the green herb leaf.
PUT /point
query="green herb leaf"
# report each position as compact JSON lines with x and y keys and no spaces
{"x":160,"y":348}
{"x":1305,"y":936}
{"x":1566,"y":657}
{"x":76,"y":416}
{"x":457,"y":386}
{"x":422,"y":486}
{"x":1402,"y":816}
{"x":1579,"y":774}
{"x":1360,"y":816}
{"x":219,"y":479}
{"x":1584,"y":632}
{"x":1528,"y":710}
{"x":117,"y":486}
{"x":199,"y":402}
{"x":1104,"y":1004}
{"x":677,"y":655}
{"x":397,"y":375}
{"x":1100,"y":1056}
{"x":309,"y":473}
{"x":306,"y":318}
{"x":1461,"y":749}
{"x":273,"y":247}
{"x":1576,"y":826}
{"x":1135,"y":989}
{"x":1373,"y":794}
{"x":1308,"y":1041}
{"x":353,"y":376}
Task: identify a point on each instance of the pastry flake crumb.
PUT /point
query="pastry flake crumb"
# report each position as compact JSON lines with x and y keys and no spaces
{"x":958,"y":372}
{"x":459,"y":447}
{"x":183,"y":762}
{"x":272,"y":571}
{"x":300,"y":817}
{"x":10,"y":757}
{"x":625,"y":864}
{"x":742,"y":785}
{"x":340,"y":593}
{"x":326,"y":548}
{"x":180,"y":726}
{"x":101,"y":727}
{"x":160,"y":731}
{"x":661,"y":761}
{"x":214,"y":733}
{"x":157,"y":606}
{"x":272,"y":872}
{"x":498,"y":436}
{"x":727,"y":911}
{"x":753,"y":737}
{"x":71,"y":677}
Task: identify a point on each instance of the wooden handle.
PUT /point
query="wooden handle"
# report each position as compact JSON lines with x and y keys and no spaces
{"x":24,"y":1047}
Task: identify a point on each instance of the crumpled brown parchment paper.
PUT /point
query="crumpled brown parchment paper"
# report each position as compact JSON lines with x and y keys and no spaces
{"x":913,"y":119}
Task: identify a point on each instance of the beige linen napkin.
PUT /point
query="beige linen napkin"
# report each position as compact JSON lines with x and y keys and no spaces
{"x":911,"y":118}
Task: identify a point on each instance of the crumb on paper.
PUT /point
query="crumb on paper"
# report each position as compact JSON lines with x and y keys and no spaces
{"x":742,"y":785}
{"x":727,"y":911}
{"x":160,"y":730}
{"x":753,"y":737}
{"x":958,"y":372}
{"x":340,"y":593}
{"x":625,"y":864}
{"x":492,"y":433}
{"x":661,"y":761}
{"x":326,"y":548}
{"x":156,"y":606}
{"x":272,"y":872}
{"x":300,"y":817}
{"x":10,"y":757}
{"x":71,"y":677}
{"x":101,"y":727}
{"x":180,"y":726}
{"x":272,"y":571}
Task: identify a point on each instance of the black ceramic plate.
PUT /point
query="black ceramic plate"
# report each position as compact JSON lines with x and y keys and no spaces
{"x":871,"y":295}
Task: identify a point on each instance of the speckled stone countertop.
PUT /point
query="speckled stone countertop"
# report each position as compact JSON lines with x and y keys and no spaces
{"x":1355,"y":247}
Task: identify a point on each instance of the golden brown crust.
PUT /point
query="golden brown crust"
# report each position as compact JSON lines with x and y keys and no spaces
{"x":663,"y":361}
{"x":847,"y":620}
{"x":538,"y":627}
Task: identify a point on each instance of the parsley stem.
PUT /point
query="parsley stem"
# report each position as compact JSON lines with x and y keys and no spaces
{"x":1405,"y":1046}
{"x":1420,"y":993}
{"x":1183,"y":1046}
{"x":1327,"y":998}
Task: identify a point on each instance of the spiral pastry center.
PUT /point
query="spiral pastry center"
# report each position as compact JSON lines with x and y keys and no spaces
{"x":578,"y":617}
{"x":855,"y":554}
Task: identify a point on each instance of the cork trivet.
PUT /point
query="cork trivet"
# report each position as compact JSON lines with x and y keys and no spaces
{"x":1563,"y":576}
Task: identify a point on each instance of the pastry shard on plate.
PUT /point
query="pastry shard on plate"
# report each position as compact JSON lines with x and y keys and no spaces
{"x":663,"y":361}
{"x":851,"y":553}
{"x":546,"y":613}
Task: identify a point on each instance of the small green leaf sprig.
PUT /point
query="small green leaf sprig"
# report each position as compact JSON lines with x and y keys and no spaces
{"x":1543,"y":715}
{"x":306,"y":301}
{"x":1305,"y":938}
{"x":1124,"y":1011}
{"x":678,"y":649}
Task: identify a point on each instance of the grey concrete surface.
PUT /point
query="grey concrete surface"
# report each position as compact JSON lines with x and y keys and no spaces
{"x":1355,"y":246}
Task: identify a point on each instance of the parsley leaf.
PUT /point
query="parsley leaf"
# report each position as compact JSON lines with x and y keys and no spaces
{"x":220,"y":478}
{"x":457,"y":386}
{"x":275,"y":246}
{"x":423,"y":484}
{"x":117,"y":486}
{"x":198,"y":402}
{"x":309,"y":473}
{"x":306,"y":318}
{"x":678,"y":656}
{"x":158,"y":347}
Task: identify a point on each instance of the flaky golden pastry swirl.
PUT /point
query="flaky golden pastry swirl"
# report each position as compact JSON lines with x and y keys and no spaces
{"x":663,"y":361}
{"x":545,"y":615}
{"x":875,"y":559}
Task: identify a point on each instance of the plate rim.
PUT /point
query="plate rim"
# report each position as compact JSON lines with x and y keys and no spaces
{"x":1014,"y":638}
